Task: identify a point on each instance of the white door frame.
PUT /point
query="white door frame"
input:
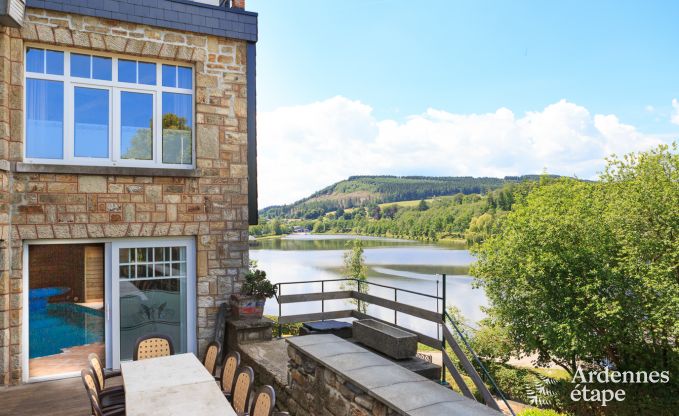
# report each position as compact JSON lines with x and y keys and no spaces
{"x":191,"y":310}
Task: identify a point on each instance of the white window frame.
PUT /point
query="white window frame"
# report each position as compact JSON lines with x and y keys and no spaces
{"x":114,"y":87}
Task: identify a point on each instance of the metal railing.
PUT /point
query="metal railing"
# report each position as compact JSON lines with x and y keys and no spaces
{"x":440,"y":317}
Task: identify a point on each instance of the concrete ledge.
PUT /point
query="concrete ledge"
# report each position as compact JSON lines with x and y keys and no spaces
{"x":21,"y":167}
{"x":397,"y":390}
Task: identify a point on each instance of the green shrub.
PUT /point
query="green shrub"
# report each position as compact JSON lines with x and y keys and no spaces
{"x":286,"y":329}
{"x":540,"y":412}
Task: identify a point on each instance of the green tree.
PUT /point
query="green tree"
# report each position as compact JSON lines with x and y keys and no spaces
{"x":480,"y":228}
{"x":587,"y":272}
{"x":422,"y":206}
{"x":355,"y":268}
{"x":276,"y":227}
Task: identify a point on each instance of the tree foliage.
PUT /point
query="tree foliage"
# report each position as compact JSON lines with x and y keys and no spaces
{"x":588,"y":272}
{"x":355,"y":268}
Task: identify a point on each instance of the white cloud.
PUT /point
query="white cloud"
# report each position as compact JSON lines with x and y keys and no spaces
{"x":305,"y":148}
{"x":675,"y":111}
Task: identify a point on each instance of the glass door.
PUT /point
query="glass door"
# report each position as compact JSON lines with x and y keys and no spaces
{"x":153,"y":291}
{"x":66,"y":308}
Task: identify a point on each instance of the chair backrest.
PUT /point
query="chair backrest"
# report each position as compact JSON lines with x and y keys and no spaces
{"x":96,"y":409}
{"x":264,"y":402}
{"x":231,"y":364}
{"x":152,"y":346}
{"x":98,"y":370}
{"x":90,"y":387}
{"x":89,"y":381}
{"x":242,"y":389}
{"x":211,"y":354}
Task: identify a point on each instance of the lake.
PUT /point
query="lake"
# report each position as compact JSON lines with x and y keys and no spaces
{"x":404,"y":264}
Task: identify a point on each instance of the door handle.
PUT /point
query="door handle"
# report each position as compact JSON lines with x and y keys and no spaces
{"x":108,"y":311}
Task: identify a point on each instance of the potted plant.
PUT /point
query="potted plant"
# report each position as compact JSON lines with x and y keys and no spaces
{"x":249,"y":304}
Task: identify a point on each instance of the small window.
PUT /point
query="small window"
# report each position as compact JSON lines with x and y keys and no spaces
{"x":95,"y":67}
{"x":147,"y":73}
{"x":169,"y":76}
{"x":127,"y":71}
{"x":178,"y":77}
{"x":45,"y":61}
{"x":137,"y":72}
{"x":35,"y":60}
{"x":102,"y":68}
{"x":55,"y":62}
{"x":184,"y":77}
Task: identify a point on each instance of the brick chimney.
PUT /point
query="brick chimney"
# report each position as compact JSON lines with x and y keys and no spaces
{"x":238,"y":4}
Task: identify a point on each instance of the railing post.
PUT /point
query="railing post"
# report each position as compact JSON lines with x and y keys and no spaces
{"x":280,"y":313}
{"x":323,"y":302}
{"x":443,"y":322}
{"x":395,"y":311}
{"x":358,"y":304}
{"x":438,"y":327}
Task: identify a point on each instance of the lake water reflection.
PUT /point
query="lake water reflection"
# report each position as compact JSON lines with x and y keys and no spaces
{"x":404,"y":264}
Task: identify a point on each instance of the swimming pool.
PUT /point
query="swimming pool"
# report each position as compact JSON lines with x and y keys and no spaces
{"x":62,"y":325}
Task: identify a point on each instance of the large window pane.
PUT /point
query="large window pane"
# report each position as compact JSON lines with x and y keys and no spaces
{"x":177,"y":126}
{"x":185,"y":77}
{"x":35,"y":60}
{"x":101,"y":68}
{"x":55,"y":62}
{"x":80,"y":65}
{"x":147,"y":73}
{"x":44,"y":119}
{"x":136,"y":135}
{"x":127,"y":71}
{"x":91,"y":122}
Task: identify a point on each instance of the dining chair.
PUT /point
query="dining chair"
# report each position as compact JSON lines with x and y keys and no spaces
{"x":98,"y":411}
{"x":211,"y":355}
{"x":242,"y":389}
{"x":98,"y":408}
{"x":229,"y":368}
{"x":152,"y":346}
{"x":101,"y":374}
{"x":264,"y":402}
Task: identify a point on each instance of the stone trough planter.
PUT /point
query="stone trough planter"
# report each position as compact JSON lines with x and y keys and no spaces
{"x":387,"y":339}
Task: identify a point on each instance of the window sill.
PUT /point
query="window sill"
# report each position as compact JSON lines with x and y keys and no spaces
{"x":103,"y":170}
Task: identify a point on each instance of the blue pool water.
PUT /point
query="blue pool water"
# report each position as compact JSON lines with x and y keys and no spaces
{"x":55,"y":326}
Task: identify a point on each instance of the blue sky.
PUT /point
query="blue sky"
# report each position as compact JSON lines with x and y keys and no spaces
{"x":438,"y":60}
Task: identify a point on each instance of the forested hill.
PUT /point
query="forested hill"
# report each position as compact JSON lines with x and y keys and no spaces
{"x":360,"y":190}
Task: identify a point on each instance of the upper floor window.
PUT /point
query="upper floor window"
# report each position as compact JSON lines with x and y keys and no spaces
{"x":84,"y":109}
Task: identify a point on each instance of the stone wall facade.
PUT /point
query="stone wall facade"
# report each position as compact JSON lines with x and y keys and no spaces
{"x":209,"y":203}
{"x":315,"y":390}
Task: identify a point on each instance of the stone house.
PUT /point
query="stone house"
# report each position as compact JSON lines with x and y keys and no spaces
{"x":127,"y":176}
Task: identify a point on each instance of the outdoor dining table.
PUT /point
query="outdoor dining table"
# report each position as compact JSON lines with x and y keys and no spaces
{"x":175,"y":385}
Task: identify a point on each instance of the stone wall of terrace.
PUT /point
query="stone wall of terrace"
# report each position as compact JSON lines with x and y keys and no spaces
{"x":331,"y":376}
{"x":208,"y":203}
{"x":318,"y":390}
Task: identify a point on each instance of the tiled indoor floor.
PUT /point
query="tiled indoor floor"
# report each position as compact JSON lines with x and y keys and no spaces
{"x":70,"y":360}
